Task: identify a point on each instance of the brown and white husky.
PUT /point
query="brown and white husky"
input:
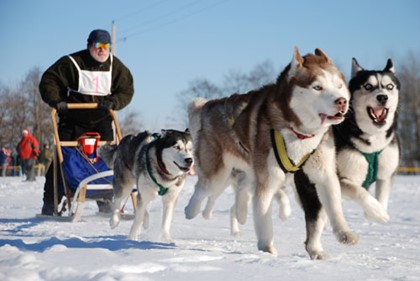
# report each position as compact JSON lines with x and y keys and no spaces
{"x":267,"y":135}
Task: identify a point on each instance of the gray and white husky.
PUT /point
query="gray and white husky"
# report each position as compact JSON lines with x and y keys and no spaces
{"x":158,"y":165}
{"x":267,"y":135}
{"x":367,"y":150}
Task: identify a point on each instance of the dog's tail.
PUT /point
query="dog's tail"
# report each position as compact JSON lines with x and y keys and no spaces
{"x":194,"y":115}
{"x":108,"y":154}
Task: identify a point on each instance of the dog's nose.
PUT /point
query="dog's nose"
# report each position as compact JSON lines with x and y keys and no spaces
{"x":188,"y":161}
{"x":382,"y":99}
{"x":341,"y":104}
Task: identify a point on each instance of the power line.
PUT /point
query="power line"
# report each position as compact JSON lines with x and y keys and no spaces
{"x":141,"y":10}
{"x":158,"y":18}
{"x":203,"y":9}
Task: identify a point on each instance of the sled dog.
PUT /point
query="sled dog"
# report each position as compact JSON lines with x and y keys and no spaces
{"x":366,"y":145}
{"x":269,"y":134}
{"x":367,"y":141}
{"x":158,"y":165}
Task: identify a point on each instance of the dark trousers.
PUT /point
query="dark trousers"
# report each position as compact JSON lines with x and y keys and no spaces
{"x":28,"y":168}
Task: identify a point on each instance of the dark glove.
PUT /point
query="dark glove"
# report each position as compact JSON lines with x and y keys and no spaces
{"x":61,"y":107}
{"x":106,"y":105}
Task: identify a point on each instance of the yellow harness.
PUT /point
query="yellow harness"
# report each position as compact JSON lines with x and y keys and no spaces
{"x":280,"y":150}
{"x":281,"y":154}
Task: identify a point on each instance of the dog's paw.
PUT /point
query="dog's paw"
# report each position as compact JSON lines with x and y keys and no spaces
{"x":166,"y":237}
{"x":317,"y":255}
{"x":114,"y":221}
{"x":133,"y":237}
{"x":268,"y":248}
{"x":285,"y":211}
{"x":208,"y":215}
{"x":347,"y":237}
{"x":235,"y":232}
{"x":191,"y":212}
{"x":374,"y":211}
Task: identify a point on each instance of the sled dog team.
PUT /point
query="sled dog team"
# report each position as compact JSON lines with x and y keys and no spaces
{"x":308,"y":129}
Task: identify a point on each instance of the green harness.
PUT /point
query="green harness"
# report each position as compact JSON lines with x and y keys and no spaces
{"x":162,"y":190}
{"x":373,"y":162}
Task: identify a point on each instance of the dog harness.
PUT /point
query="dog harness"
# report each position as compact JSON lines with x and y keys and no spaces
{"x":373,"y":161}
{"x":281,"y":154}
{"x":162,"y":190}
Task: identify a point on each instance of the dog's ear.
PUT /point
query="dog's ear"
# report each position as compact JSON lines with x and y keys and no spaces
{"x":355,"y":67}
{"x":321,"y":53}
{"x":389,"y":66}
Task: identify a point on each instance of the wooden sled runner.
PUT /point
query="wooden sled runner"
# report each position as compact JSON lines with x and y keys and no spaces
{"x":80,"y":174}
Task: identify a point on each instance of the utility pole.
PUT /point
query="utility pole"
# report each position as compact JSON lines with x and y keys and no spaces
{"x":114,"y":39}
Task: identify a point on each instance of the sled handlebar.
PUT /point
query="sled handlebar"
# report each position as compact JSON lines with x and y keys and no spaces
{"x":93,"y":105}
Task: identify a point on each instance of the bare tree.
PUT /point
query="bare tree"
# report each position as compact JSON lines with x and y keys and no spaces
{"x":197,"y":88}
{"x":239,"y":82}
{"x":130,"y":123}
{"x":409,"y":110}
{"x":233,"y":82}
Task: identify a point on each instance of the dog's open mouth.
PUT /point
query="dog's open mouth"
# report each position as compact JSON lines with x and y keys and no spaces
{"x":338,"y":117}
{"x":378,"y":115}
{"x":182,"y":168}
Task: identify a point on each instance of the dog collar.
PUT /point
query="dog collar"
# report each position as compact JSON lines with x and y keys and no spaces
{"x":281,"y":154}
{"x":162,"y":167}
{"x":162,"y":190}
{"x":299,"y":135}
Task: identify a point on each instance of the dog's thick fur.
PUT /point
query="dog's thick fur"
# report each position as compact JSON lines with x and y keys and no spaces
{"x":369,"y":127}
{"x":233,"y":134}
{"x":153,"y":163}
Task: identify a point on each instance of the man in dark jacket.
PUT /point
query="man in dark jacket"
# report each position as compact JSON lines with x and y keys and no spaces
{"x":92,"y":75}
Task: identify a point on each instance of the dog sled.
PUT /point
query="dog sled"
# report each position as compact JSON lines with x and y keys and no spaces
{"x":81,"y":175}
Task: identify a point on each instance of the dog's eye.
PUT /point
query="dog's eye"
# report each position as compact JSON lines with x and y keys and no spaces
{"x":177,"y":147}
{"x":389,"y":87}
{"x":368,"y":86}
{"x":317,"y":88}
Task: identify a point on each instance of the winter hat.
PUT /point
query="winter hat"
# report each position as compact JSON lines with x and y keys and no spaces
{"x":99,"y":35}
{"x":25,"y":132}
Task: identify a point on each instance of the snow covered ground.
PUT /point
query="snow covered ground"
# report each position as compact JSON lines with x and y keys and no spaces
{"x":34,"y":249}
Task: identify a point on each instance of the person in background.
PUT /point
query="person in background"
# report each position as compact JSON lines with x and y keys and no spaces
{"x":28,"y":152}
{"x":45,"y":158}
{"x":4,"y":160}
{"x":92,"y":75}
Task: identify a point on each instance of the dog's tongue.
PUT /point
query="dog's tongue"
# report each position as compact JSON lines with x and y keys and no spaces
{"x":379,"y":113}
{"x":323,"y":117}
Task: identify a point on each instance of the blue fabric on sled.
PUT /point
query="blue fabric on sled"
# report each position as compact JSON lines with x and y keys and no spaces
{"x":77,"y":168}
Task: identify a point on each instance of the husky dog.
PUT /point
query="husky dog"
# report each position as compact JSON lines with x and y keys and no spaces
{"x":269,"y":134}
{"x":367,"y":143}
{"x":158,"y":165}
{"x":367,"y":149}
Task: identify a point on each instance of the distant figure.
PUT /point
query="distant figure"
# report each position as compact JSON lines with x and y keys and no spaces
{"x":28,"y":152}
{"x":45,"y":159}
{"x":4,"y":160}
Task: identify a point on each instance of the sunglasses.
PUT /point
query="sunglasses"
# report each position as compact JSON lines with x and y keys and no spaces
{"x":101,"y":45}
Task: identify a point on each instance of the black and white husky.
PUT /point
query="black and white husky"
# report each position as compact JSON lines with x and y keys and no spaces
{"x":367,"y":143}
{"x":367,"y":150}
{"x":158,"y":165}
